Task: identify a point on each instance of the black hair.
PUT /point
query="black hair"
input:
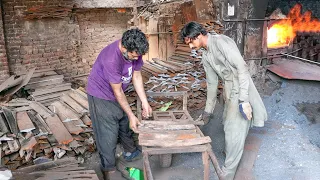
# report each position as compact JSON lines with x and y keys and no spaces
{"x":135,"y":40}
{"x":192,"y":30}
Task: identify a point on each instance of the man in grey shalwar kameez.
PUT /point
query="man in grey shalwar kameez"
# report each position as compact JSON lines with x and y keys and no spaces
{"x":221,"y":58}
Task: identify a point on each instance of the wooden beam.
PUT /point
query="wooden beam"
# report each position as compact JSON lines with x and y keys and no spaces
{"x":79,"y":98}
{"x":176,"y":143}
{"x":59,"y":131}
{"x":174,"y":150}
{"x":24,"y":122}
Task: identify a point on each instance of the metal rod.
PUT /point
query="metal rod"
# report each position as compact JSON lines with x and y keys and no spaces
{"x":301,"y":58}
{"x":244,"y":20}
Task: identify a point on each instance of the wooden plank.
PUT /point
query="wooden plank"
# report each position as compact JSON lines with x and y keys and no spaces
{"x":23,"y":108}
{"x":205,"y":160}
{"x":72,"y":103}
{"x":153,"y":39}
{"x":171,"y":127}
{"x":164,"y":137}
{"x":45,"y":79}
{"x":24,"y":82}
{"x":172,"y":67}
{"x":48,"y":84}
{"x":11,"y":120}
{"x":76,"y":175}
{"x":24,"y":122}
{"x":86,"y":120}
{"x":10,"y":82}
{"x":14,"y":146}
{"x":146,"y":165}
{"x":59,"y":131}
{"x":47,"y":165}
{"x":39,"y":108}
{"x":67,"y":117}
{"x":38,"y":123}
{"x":147,"y":130}
{"x":183,"y":49}
{"x":180,"y":122}
{"x":77,"y":97}
{"x":154,"y":69}
{"x":19,"y":73}
{"x":42,"y":74}
{"x":83,"y":94}
{"x":3,"y":126}
{"x":28,"y":144}
{"x":51,"y":90}
{"x":174,"y":150}
{"x":43,"y":123}
{"x":176,"y":143}
{"x":49,"y":96}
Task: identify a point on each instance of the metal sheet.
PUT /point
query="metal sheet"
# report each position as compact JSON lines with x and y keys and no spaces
{"x":295,"y":69}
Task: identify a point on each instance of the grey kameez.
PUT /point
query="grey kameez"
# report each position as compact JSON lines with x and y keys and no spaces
{"x":223,"y":59}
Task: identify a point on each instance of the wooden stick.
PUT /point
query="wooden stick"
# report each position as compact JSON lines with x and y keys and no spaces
{"x":175,"y":143}
{"x":205,"y":160}
{"x":147,"y":167}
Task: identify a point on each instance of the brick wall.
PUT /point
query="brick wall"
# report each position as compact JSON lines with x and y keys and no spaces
{"x":98,"y":28}
{"x":44,"y":43}
{"x":4,"y":68}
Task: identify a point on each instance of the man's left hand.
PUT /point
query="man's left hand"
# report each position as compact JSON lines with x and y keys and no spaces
{"x":146,"y":110}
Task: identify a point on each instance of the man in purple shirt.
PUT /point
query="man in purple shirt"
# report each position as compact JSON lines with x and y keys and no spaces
{"x":111,"y":74}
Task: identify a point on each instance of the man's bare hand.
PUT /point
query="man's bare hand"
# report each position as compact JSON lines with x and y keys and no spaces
{"x":134,"y":122}
{"x":147,"y":110}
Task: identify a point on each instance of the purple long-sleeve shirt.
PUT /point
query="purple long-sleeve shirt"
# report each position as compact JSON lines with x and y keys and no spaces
{"x":111,"y":67}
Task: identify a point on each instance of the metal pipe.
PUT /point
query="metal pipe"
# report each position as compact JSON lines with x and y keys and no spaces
{"x":244,"y":20}
{"x":307,"y":60}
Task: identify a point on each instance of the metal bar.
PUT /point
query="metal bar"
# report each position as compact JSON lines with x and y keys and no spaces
{"x":244,"y":20}
{"x":307,"y":60}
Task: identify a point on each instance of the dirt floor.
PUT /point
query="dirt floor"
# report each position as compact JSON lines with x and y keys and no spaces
{"x":286,"y":148}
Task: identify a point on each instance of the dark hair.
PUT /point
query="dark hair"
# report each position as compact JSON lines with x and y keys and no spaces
{"x":192,"y":30}
{"x":135,"y":40}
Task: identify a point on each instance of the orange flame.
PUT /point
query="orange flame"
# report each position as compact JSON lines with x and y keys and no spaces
{"x":284,"y":31}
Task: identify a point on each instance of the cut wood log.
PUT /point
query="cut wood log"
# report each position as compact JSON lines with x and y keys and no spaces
{"x":59,"y":131}
{"x":73,"y":104}
{"x":176,"y":143}
{"x":79,"y":98}
{"x":24,"y":122}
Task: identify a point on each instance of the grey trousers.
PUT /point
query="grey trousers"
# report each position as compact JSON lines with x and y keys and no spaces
{"x":109,"y":122}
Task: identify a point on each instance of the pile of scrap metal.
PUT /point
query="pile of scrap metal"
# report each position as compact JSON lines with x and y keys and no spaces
{"x":42,"y":116}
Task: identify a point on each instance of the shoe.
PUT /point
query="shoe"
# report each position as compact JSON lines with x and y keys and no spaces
{"x":132,"y":156}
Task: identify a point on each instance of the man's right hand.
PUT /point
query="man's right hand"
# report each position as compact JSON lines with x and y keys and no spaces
{"x":134,"y":122}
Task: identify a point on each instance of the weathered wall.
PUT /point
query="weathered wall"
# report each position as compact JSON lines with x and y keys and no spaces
{"x":69,"y":44}
{"x":44,"y":43}
{"x":98,"y":28}
{"x":4,"y":68}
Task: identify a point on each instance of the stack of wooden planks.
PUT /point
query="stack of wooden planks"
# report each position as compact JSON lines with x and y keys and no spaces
{"x":66,"y":168}
{"x":52,"y":131}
